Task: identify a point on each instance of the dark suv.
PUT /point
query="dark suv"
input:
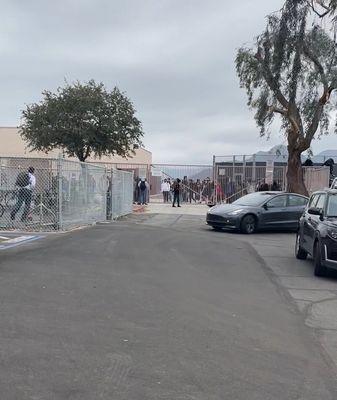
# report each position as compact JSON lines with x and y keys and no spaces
{"x":317,"y":233}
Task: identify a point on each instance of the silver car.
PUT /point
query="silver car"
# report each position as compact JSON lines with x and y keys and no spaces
{"x":258,"y":211}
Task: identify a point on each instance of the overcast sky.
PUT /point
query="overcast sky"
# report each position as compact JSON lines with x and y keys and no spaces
{"x":173,"y":58}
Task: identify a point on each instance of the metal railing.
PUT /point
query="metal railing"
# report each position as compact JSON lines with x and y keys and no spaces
{"x":60,"y":194}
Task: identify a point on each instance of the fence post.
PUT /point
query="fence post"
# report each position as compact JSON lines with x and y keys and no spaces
{"x":111,"y":193}
{"x":254,"y":171}
{"x":59,"y":190}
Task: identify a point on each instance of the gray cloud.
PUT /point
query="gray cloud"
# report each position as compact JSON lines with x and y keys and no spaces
{"x":175,"y":60}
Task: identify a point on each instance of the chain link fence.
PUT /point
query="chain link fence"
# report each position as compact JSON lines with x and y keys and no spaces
{"x":120,"y":193}
{"x":235,"y":176}
{"x":57,"y":194}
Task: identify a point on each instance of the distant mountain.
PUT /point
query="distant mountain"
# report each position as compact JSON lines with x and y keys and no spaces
{"x":324,"y":155}
{"x":279,"y":153}
{"x":328,"y":153}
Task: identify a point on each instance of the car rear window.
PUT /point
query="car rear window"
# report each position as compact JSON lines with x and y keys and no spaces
{"x":253,"y":199}
{"x":296,"y":201}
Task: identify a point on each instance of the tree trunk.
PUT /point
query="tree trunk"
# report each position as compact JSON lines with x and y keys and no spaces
{"x":295,"y":181}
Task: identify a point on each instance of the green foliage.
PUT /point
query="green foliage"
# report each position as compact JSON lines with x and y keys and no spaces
{"x":82,"y":120}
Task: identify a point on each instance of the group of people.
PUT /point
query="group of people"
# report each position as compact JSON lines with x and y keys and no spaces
{"x":141,"y":191}
{"x":264,"y":187}
{"x":172,"y":191}
{"x":186,"y":190}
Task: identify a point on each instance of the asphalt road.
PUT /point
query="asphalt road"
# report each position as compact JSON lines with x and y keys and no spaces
{"x":144,"y":311}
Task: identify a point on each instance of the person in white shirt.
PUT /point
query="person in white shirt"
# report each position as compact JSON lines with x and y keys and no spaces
{"x":165,"y":189}
{"x":26,"y":183}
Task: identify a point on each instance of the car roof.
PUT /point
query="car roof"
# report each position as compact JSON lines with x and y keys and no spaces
{"x":274,"y":193}
{"x":327,"y":190}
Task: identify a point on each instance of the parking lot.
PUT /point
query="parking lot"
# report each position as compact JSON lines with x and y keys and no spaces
{"x":9,"y":240}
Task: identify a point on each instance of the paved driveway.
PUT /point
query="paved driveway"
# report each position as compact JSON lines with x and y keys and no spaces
{"x":316,"y":298}
{"x":152,"y":309}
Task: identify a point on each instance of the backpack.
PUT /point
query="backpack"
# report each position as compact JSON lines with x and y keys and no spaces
{"x":22,"y":179}
{"x":142,"y":186}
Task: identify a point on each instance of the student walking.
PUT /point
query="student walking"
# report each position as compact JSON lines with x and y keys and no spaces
{"x":26,"y":183}
{"x":176,"y":192}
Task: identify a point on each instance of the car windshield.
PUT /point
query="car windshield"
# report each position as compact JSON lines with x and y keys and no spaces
{"x":253,"y":199}
{"x":332,"y":206}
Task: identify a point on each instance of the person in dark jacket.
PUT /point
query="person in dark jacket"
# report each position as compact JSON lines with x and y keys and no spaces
{"x":275,"y":187}
{"x":26,"y":183}
{"x":176,"y":192}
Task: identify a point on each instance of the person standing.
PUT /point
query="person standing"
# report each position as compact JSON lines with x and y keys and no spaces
{"x":143,"y":191}
{"x":165,"y":189}
{"x":176,"y":192}
{"x":26,"y":183}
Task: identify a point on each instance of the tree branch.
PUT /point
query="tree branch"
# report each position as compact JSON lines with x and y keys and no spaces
{"x":297,"y":64}
{"x":317,"y":64}
{"x":271,"y":81}
{"x":326,"y":8}
{"x":317,"y":115}
{"x":273,"y":109}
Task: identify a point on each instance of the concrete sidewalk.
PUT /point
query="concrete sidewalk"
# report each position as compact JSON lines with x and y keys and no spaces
{"x":185,"y":209}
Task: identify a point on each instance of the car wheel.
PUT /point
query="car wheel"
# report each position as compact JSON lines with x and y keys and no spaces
{"x":300,"y":253}
{"x":320,"y":270}
{"x":248,"y":224}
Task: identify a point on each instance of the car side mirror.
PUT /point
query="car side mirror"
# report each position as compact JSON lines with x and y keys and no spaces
{"x":315,"y":211}
{"x":265,"y":206}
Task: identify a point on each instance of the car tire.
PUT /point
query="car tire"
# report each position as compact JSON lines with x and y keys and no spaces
{"x":320,"y":270}
{"x":248,"y":224}
{"x":300,"y":253}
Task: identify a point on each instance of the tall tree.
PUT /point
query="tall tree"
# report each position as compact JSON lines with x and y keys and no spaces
{"x":291,"y":72}
{"x":82,"y":120}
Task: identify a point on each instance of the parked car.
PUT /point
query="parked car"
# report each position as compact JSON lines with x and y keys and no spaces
{"x":317,"y":233}
{"x":257,"y":211}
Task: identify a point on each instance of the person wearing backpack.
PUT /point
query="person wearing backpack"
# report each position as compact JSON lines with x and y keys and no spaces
{"x":143,"y":191}
{"x":26,"y":183}
{"x":176,"y":192}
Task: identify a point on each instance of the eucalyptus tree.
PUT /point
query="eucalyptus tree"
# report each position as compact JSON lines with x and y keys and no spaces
{"x":290,"y":71}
